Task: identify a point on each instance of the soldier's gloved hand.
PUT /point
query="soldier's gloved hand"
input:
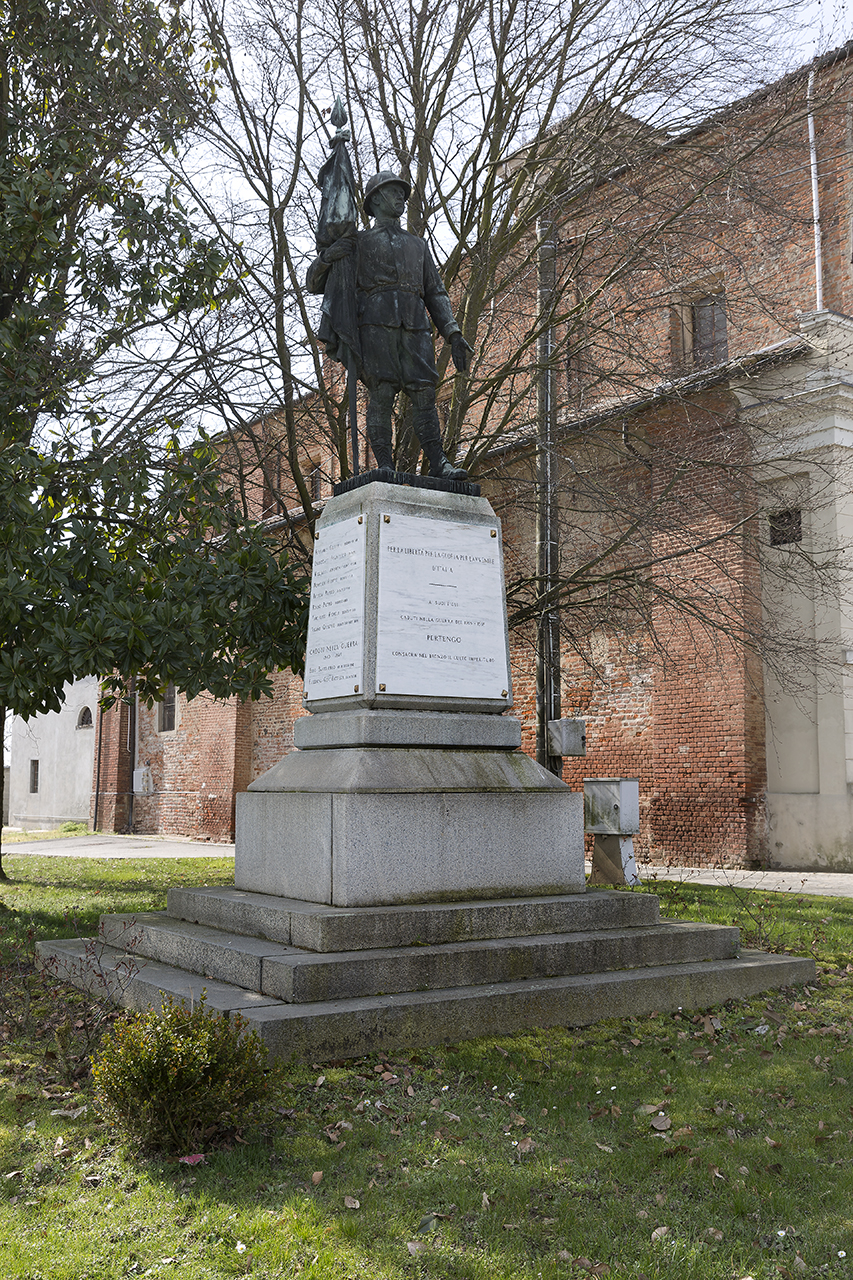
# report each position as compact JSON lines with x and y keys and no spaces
{"x":340,"y":249}
{"x":460,"y":350}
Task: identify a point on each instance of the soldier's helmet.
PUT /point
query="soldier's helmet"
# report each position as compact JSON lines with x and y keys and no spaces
{"x":383,"y":179}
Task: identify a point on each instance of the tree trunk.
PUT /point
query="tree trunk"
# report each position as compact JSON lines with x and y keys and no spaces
{"x":3,"y":875}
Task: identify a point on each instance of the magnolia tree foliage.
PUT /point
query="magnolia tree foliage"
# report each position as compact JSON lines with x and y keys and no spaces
{"x":90,"y":251}
{"x":118,"y":553}
{"x":127,"y":582}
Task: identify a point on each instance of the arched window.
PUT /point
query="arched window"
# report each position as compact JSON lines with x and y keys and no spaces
{"x":84,"y":720}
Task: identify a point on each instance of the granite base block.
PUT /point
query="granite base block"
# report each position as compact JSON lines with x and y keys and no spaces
{"x":374,"y":849}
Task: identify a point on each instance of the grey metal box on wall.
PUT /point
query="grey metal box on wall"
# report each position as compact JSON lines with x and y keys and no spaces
{"x":611,"y":806}
{"x":567,"y":737}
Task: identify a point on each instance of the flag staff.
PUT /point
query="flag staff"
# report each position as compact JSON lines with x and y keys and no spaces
{"x":338,"y":218}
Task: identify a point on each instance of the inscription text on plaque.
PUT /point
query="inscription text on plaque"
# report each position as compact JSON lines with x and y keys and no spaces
{"x":440,"y":627}
{"x":334,"y":658}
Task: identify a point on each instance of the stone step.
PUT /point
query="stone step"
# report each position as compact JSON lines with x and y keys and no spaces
{"x":357,"y":1026}
{"x":316,"y":927}
{"x":349,"y":1028}
{"x":109,"y":973}
{"x":302,"y":977}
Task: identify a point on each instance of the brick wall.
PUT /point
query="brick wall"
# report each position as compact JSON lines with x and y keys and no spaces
{"x":196,"y":769}
{"x":667,"y":699}
{"x":112,"y":769}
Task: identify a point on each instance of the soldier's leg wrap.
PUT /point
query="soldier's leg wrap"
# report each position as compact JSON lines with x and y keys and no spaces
{"x":378,"y":420}
{"x":428,"y":430}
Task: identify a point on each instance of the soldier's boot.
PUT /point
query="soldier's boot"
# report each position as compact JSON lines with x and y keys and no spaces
{"x":428,"y":431}
{"x":379,"y":434}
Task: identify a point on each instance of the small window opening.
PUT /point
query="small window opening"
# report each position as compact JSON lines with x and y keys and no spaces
{"x":271,"y":466}
{"x":708,"y":316}
{"x":84,"y":720}
{"x":167,"y":709}
{"x":786,"y":526}
{"x":34,"y":776}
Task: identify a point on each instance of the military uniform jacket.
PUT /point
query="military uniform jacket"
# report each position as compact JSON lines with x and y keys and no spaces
{"x":398,"y":289}
{"x":397,"y":281}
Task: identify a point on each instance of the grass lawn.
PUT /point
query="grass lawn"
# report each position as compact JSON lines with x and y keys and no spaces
{"x":16,"y":835}
{"x":715,"y":1144}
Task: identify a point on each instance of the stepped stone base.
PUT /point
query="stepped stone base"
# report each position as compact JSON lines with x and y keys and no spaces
{"x":320,"y":981}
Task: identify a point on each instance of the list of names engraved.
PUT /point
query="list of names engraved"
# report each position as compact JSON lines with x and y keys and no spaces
{"x":441,"y":621}
{"x":335,"y":653}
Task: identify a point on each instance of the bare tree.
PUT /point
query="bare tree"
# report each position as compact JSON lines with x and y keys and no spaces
{"x":604,"y":130}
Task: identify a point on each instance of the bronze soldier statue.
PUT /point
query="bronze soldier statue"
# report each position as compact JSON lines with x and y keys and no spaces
{"x":398,"y":289}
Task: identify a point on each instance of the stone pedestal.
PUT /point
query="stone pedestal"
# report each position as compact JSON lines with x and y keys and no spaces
{"x":401,"y":807}
{"x":407,"y":876}
{"x":407,"y":784}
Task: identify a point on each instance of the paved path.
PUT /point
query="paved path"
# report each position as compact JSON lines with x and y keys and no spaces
{"x":823,"y":883}
{"x":835,"y":884}
{"x":112,"y":846}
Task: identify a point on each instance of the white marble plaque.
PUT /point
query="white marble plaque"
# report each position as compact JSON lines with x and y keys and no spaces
{"x":441,"y":618}
{"x":334,"y":657}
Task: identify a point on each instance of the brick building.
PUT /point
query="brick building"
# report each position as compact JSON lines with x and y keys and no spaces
{"x":704,"y":424}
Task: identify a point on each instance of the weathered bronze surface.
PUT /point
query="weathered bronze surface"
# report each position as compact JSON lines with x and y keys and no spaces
{"x":397,"y":292}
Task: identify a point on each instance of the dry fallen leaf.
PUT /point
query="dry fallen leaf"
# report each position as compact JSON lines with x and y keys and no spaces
{"x":602,"y":1147}
{"x":486,"y":1202}
{"x":661,"y":1123}
{"x":525,"y":1145}
{"x":660,"y":1232}
{"x":415,"y":1247}
{"x":351,"y":1203}
{"x":317,"y":1177}
{"x":713,"y":1234}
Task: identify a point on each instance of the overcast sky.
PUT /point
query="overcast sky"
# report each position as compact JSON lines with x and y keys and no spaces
{"x":826,"y":24}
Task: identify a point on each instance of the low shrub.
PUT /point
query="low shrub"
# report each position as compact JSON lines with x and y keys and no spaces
{"x":183,"y":1078}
